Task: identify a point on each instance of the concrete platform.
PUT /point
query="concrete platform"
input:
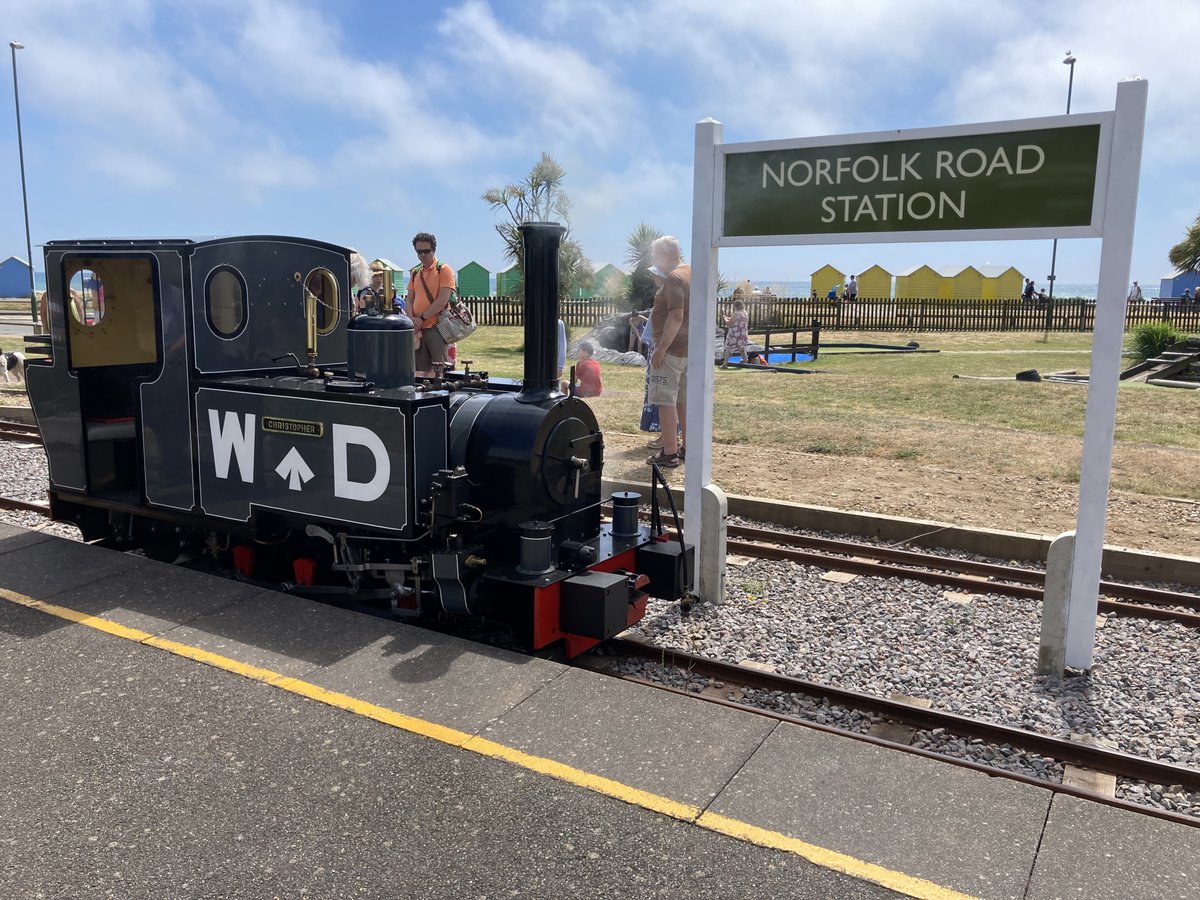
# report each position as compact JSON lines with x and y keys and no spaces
{"x":550,"y":781}
{"x":956,"y":827}
{"x":1096,"y":852}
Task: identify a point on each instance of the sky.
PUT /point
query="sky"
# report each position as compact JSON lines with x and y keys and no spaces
{"x":361,"y":122}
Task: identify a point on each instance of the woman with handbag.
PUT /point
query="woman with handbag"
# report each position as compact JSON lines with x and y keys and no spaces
{"x":430,"y":287}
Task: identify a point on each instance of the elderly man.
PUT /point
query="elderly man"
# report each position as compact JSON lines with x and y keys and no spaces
{"x":668,"y":363}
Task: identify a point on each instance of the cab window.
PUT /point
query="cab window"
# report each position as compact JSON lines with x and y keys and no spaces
{"x":323,"y":286}
{"x":225,"y":302}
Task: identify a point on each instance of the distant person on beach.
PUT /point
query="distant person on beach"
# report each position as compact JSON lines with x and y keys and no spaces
{"x":852,"y":288}
{"x":1135,"y":293}
{"x":736,"y":333}
{"x":1027,"y":294}
{"x":814,"y":296}
{"x":1186,"y":296}
{"x":833,"y":292}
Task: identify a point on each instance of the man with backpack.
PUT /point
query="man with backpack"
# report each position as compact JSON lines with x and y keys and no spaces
{"x":430,"y":288}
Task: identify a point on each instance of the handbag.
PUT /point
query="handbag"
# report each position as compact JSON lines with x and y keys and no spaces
{"x":455,"y":322}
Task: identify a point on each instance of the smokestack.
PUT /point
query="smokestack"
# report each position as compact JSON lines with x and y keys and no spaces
{"x":541,"y":240}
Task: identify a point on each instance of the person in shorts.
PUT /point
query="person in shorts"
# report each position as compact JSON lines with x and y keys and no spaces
{"x":430,"y":286}
{"x":668,"y":363}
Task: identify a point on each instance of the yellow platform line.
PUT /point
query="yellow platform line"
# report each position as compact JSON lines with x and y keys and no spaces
{"x":734,"y":828}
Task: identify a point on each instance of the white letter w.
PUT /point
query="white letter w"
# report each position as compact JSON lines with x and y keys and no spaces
{"x":233,"y":439}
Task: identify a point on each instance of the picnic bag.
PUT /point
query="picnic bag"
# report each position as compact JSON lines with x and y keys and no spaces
{"x":455,"y":322}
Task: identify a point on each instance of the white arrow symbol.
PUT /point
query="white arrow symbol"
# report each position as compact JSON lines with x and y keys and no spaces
{"x":294,"y":469}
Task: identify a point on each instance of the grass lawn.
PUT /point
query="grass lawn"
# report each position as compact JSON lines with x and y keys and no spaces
{"x":911,"y":408}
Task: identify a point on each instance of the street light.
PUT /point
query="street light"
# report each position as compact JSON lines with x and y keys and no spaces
{"x":14,"y":46}
{"x":1068,"y":61}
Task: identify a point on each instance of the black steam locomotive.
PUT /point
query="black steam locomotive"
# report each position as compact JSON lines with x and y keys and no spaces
{"x":218,"y":397}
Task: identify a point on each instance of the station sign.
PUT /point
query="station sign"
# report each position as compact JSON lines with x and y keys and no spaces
{"x":319,"y":458}
{"x":950,"y":182}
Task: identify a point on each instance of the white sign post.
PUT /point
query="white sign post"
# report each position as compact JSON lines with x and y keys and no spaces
{"x":1057,"y":177}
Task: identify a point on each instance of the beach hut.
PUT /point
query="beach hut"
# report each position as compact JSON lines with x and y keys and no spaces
{"x":960,"y":283}
{"x":473,"y":280}
{"x":828,"y":277}
{"x":605,"y":281}
{"x":1001,"y":282}
{"x":14,"y":278}
{"x":875,"y":284}
{"x":1172,"y":285}
{"x":506,"y":281}
{"x":917,"y":282}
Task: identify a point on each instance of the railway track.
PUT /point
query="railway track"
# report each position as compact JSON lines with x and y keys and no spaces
{"x":967,"y":575}
{"x":20,"y":433}
{"x":1098,"y":758}
{"x":28,"y":435}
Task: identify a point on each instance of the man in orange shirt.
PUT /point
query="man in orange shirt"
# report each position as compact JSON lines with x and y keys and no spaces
{"x":430,"y":286}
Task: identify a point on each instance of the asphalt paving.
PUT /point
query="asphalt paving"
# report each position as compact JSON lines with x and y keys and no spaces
{"x":129,"y":772}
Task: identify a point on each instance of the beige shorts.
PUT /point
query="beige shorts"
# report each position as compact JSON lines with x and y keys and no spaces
{"x":668,"y":384}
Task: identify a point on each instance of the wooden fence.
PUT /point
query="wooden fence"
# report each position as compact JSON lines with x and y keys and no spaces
{"x":1071,"y":314}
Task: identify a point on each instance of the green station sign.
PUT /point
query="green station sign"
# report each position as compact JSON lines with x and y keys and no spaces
{"x":1021,"y":179}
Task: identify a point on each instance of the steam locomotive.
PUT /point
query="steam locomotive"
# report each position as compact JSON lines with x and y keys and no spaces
{"x":217,"y":397}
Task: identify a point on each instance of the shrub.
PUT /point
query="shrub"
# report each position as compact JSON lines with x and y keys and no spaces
{"x":1151,"y":338}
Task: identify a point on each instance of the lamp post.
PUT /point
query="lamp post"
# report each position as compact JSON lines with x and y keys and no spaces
{"x":1068,"y":61}
{"x":14,"y":46}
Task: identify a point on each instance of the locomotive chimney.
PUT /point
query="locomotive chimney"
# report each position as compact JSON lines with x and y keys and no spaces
{"x":541,"y":240}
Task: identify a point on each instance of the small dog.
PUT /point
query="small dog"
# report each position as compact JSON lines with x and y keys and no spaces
{"x":12,"y":366}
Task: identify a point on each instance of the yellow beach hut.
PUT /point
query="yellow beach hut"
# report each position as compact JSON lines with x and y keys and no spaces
{"x":1001,"y":282}
{"x":875,"y":284}
{"x":960,"y":283}
{"x":827,"y":277}
{"x":917,"y":282}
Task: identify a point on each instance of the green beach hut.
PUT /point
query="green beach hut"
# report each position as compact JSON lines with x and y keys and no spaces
{"x":473,"y":280}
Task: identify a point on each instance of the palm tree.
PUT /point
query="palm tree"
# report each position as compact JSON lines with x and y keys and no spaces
{"x":540,"y":198}
{"x":1185,"y":256}
{"x":637,"y":246}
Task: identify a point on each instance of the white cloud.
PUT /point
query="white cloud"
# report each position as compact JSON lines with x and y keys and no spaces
{"x":563,"y":94}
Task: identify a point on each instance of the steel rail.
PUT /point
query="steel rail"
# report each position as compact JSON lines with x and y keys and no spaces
{"x":17,"y":431}
{"x":1093,"y":757}
{"x":1139,"y":593}
{"x":25,"y":505}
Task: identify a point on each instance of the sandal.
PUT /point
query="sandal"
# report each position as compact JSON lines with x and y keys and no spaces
{"x":663,"y":461}
{"x":656,"y":444}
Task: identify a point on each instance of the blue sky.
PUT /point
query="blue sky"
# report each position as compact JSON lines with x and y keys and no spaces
{"x":362,"y":122}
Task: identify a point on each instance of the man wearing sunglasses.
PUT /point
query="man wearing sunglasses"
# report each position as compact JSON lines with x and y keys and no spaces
{"x":430,"y":286}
